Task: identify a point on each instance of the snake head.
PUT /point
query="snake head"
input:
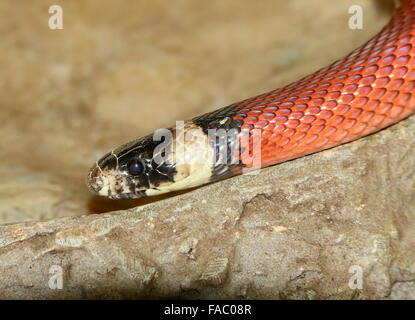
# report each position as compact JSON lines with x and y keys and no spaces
{"x":130,"y":171}
{"x":149,"y":166}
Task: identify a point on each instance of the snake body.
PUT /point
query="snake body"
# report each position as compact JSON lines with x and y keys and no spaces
{"x":366,"y":91}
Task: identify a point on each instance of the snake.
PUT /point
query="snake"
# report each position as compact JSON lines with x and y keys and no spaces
{"x":366,"y":91}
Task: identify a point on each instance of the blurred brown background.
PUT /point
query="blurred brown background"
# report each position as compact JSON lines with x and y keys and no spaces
{"x":120,"y":69}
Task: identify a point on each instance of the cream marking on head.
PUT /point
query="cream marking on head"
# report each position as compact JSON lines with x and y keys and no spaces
{"x":98,"y":181}
{"x":192,"y":154}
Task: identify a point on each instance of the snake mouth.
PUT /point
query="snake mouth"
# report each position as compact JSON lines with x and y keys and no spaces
{"x":124,"y":196}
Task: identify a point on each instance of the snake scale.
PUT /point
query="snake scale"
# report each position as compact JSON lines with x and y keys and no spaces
{"x":366,"y":91}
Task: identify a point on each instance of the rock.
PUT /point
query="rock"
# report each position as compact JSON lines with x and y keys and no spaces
{"x":308,"y":228}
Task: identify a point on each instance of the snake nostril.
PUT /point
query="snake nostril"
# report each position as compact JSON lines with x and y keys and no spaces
{"x":94,"y":180}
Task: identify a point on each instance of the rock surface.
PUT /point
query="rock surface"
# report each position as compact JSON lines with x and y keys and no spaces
{"x":303,"y":229}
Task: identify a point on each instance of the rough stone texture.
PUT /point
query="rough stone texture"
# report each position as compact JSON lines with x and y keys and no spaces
{"x":292,"y":231}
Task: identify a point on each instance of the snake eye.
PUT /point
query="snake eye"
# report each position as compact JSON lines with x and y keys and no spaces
{"x":135,"y":166}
